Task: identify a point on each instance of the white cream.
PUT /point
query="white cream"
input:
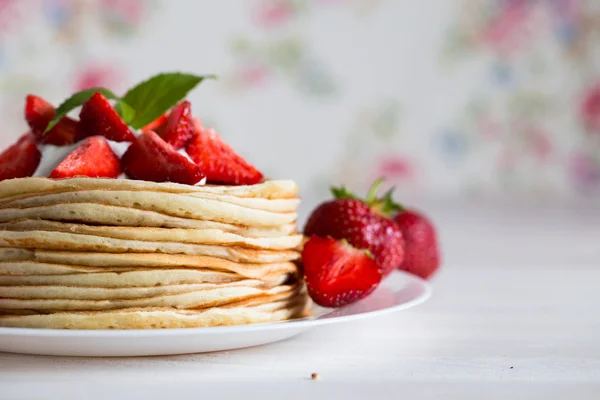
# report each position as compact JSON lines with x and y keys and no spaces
{"x":119,"y":148}
{"x":53,"y":155}
{"x":185,"y":154}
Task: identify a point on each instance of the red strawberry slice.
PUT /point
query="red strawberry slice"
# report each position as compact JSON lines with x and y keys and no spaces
{"x":178,"y":128}
{"x":156,"y":124}
{"x":336,"y":273}
{"x":21,"y":159}
{"x":219,"y":162}
{"x":93,"y":158}
{"x":197,"y":124}
{"x":63,"y":133}
{"x":39,"y":113}
{"x":421,"y":251}
{"x":99,"y":118}
{"x":365,"y":224}
{"x":152,"y":159}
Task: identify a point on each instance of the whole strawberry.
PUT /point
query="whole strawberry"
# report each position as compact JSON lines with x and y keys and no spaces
{"x":365,"y":224}
{"x":421,"y":252}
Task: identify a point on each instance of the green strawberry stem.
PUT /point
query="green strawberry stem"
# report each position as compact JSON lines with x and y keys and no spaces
{"x":372,"y":193}
{"x":384,"y":205}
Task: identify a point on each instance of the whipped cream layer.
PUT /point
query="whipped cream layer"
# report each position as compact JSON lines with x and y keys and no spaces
{"x":53,"y":155}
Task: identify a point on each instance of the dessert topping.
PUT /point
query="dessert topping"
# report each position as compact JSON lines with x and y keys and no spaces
{"x":93,"y":158}
{"x":178,"y":127}
{"x":220,"y":163}
{"x":173,"y":147}
{"x":99,"y":118}
{"x":21,"y":159}
{"x":150,"y":158}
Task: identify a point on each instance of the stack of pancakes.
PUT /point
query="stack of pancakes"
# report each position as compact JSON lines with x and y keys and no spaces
{"x":121,"y":254}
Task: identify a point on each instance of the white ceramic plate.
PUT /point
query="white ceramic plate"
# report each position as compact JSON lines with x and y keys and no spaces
{"x":399,"y":292}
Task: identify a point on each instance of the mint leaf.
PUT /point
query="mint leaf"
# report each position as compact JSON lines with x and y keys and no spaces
{"x":125,"y":111}
{"x":152,"y":98}
{"x":75,"y":101}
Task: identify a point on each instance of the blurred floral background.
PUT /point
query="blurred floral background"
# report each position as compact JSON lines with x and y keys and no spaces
{"x":449,"y":99}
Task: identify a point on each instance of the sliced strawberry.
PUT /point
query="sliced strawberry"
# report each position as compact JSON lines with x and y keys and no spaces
{"x":156,"y":124}
{"x":178,"y":128}
{"x":99,"y":118}
{"x":93,"y":158}
{"x":63,"y":133}
{"x":197,"y":124}
{"x":39,"y":113}
{"x":219,"y":162}
{"x":336,"y":273}
{"x":152,"y":159}
{"x":21,"y":159}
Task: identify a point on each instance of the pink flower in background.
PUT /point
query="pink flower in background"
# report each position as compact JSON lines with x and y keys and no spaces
{"x":540,"y":143}
{"x":508,"y":29}
{"x":274,"y":13}
{"x":585,"y":171}
{"x":131,"y":11}
{"x":253,"y":74}
{"x":395,"y":168}
{"x":97,"y":76}
{"x":590,"y":109}
{"x":249,"y":75}
{"x":507,"y":160}
{"x":8,"y":14}
{"x":489,"y":128}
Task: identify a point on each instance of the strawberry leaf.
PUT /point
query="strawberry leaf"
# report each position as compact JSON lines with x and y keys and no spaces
{"x":342,"y":193}
{"x":152,"y":98}
{"x":383,"y":205}
{"x":77,"y":100}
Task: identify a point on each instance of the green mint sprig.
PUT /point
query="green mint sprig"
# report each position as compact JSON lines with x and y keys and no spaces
{"x":141,"y":104}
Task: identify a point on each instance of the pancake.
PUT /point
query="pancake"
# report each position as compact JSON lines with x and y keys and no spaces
{"x":198,"y":236}
{"x":87,"y":253}
{"x":289,"y":295}
{"x":137,"y":278}
{"x":154,"y":318}
{"x":102,"y":214}
{"x":274,"y":205}
{"x":166,"y":203}
{"x":120,"y":277}
{"x":29,"y":262}
{"x":74,"y":242}
{"x":277,"y":189}
{"x":116,"y":293}
{"x":209,"y":297}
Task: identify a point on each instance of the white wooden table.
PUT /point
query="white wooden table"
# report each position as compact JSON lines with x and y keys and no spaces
{"x":515,"y":314}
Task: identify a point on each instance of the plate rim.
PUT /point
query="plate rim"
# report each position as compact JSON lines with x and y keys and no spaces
{"x":302,"y":323}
